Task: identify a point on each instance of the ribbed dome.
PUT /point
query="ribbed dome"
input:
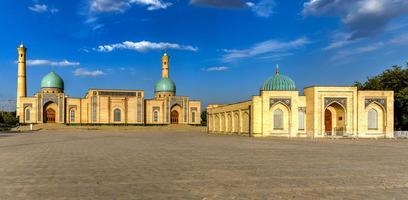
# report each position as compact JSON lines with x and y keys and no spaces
{"x":279,"y":82}
{"x":52,"y":80}
{"x":165,"y":85}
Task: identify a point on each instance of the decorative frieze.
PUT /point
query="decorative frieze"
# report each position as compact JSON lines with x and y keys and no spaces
{"x":284,"y":101}
{"x":381,"y":101}
{"x":27,"y":105}
{"x":176,"y":100}
{"x":340,"y":100}
{"x":156,"y":108}
{"x":50,"y":98}
{"x":117,"y":93}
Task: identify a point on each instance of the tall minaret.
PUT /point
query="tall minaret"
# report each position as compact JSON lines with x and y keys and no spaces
{"x":21,"y":77}
{"x":165,"y":66}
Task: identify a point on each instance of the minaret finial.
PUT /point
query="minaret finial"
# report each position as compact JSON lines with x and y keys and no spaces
{"x":277,"y":69}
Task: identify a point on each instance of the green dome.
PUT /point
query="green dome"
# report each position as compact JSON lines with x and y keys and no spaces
{"x":165,"y":85}
{"x":52,"y":80}
{"x":279,"y":83}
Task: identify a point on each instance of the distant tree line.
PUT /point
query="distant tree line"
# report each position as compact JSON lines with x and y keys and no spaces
{"x":395,"y":79}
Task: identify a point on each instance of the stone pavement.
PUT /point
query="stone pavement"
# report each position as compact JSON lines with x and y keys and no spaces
{"x":101,"y":164}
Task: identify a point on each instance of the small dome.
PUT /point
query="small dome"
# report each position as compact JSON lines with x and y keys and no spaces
{"x":279,"y":82}
{"x":52,"y":80}
{"x":165,"y":85}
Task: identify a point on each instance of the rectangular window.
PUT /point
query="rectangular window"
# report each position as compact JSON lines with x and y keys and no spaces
{"x":278,"y":119}
{"x":72,"y":115}
{"x":27,"y":115}
{"x":301,"y":120}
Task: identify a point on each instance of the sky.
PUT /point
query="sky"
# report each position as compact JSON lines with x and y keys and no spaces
{"x":221,"y":51}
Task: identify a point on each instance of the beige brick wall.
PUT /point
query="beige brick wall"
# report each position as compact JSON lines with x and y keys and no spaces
{"x":218,"y":118}
{"x":385,"y":114}
{"x":159,"y":107}
{"x":31,"y":104}
{"x":349,"y":118}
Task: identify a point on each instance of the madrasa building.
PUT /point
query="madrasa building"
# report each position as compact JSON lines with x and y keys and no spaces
{"x":52,"y":105}
{"x":323,"y":111}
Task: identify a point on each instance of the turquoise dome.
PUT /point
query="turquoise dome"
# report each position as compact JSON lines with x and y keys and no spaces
{"x":165,"y":85}
{"x":52,"y":80}
{"x":279,"y":82}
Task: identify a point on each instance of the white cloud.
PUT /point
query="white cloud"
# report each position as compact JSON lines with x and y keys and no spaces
{"x":143,"y":46}
{"x":87,"y":72}
{"x":264,"y":8}
{"x":363,"y":17}
{"x":41,"y":8}
{"x":265,"y":49}
{"x":220,"y":68}
{"x":63,"y":63}
{"x":122,"y":5}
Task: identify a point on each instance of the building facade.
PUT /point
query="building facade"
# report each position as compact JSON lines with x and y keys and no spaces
{"x":51,"y":105}
{"x":323,"y":111}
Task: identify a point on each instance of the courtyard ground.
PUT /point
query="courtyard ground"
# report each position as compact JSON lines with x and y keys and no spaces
{"x":186,"y":163}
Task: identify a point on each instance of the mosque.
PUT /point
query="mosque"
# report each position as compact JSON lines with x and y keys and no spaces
{"x":323,"y":111}
{"x":52,"y":105}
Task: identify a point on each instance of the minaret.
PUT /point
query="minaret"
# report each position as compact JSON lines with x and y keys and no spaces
{"x":21,"y":77}
{"x":165,"y":66}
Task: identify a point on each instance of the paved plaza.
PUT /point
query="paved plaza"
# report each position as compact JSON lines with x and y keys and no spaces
{"x":169,"y":164}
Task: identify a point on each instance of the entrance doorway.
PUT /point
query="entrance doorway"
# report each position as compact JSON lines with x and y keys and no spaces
{"x":335,"y":120}
{"x":49,"y":115}
{"x":174,"y":117}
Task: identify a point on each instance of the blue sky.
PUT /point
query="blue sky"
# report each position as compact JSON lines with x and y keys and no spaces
{"x":221,"y":51}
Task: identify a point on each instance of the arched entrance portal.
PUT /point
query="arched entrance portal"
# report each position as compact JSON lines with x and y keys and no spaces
{"x":176,"y":114}
{"x":335,"y":120}
{"x":174,"y":117}
{"x":49,"y":116}
{"x":50,"y":112}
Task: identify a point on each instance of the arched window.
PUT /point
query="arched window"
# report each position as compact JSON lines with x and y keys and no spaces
{"x":117,"y":115}
{"x":301,"y":120}
{"x":278,"y":119}
{"x":27,"y":115}
{"x":193,"y":117}
{"x":72,"y":116}
{"x":155,"y":116}
{"x":372,"y":119}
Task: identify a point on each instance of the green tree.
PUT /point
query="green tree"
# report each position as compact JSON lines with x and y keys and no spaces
{"x":1,"y":118}
{"x":204,"y":118}
{"x":395,"y":79}
{"x":10,"y":119}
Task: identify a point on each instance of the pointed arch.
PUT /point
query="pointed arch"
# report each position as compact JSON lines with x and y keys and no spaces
{"x":117,"y":115}
{"x":236,"y":123}
{"x":245,"y":122}
{"x":376,"y":119}
{"x":280,"y":117}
